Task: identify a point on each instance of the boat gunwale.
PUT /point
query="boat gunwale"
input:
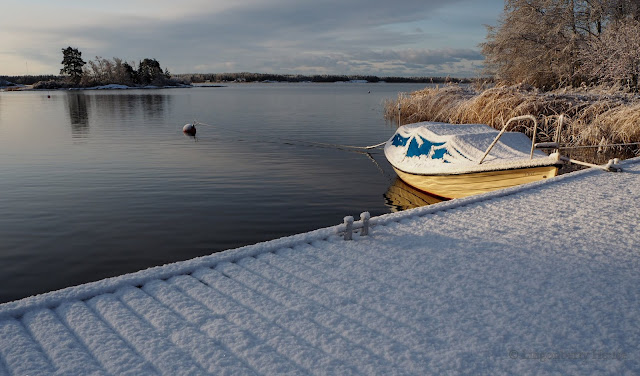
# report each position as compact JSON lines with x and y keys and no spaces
{"x":506,"y":168}
{"x":476,"y":180}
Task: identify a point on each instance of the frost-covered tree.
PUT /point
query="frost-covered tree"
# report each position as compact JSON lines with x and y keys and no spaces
{"x":614,"y":56}
{"x":621,"y":9}
{"x":539,"y":42}
{"x":533,"y":43}
{"x":120,"y":73}
{"x":102,"y":71}
{"x":72,"y":64}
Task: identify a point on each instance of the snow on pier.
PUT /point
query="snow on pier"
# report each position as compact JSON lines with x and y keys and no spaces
{"x":543,"y":278}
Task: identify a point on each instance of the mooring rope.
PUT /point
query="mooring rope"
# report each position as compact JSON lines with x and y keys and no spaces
{"x":598,"y":146}
{"x":321,"y":144}
{"x":338,"y":146}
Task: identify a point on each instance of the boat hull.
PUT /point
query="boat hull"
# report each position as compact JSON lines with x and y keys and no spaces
{"x":463,"y":185}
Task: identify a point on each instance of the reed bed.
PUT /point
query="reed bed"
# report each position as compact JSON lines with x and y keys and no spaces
{"x":593,"y":117}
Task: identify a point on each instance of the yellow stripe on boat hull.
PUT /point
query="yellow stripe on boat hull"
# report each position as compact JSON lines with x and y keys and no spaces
{"x":463,"y":185}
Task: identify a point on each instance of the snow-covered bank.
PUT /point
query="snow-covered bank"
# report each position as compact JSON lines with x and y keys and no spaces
{"x":99,"y":87}
{"x":536,"y":279}
{"x":6,"y":85}
{"x":125,"y":87}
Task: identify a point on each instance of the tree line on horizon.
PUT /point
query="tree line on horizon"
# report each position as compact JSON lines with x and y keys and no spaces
{"x":227,"y":77}
{"x":260,"y":77}
{"x":28,"y":79}
{"x":557,"y":43}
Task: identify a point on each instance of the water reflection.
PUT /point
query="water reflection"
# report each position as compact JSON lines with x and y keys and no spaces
{"x":401,"y":196}
{"x":154,"y":105}
{"x":78,"y":114}
{"x":190,"y":136}
{"x":122,"y":108}
{"x":125,"y":106}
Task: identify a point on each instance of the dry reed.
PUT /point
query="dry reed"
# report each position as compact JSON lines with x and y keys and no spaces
{"x":595,"y":117}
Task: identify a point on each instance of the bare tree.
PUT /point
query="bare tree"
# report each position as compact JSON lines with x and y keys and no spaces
{"x":539,"y":42}
{"x":614,"y":56}
{"x":104,"y":71}
{"x":620,"y":9}
{"x":533,"y":43}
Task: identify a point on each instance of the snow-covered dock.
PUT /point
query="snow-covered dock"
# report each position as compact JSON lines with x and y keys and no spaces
{"x":543,"y":278}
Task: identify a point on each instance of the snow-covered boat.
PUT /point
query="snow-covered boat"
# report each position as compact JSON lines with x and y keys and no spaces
{"x":458,"y":160}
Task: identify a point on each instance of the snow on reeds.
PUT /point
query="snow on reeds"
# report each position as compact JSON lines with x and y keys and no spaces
{"x":595,"y":117}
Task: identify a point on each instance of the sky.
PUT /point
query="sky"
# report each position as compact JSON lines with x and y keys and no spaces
{"x":369,"y":37}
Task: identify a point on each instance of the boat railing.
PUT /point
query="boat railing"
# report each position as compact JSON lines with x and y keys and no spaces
{"x":504,"y":129}
{"x":612,"y":165}
{"x":552,"y":145}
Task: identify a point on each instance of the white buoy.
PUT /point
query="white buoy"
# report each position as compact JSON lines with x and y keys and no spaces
{"x":189,"y":129}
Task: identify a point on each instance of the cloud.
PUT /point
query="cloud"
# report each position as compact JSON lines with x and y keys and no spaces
{"x":389,"y":62}
{"x":252,"y":35}
{"x":425,"y":56}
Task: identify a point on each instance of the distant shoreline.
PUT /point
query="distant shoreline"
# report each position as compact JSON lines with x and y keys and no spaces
{"x":102,"y":87}
{"x":19,"y":87}
{"x":51,"y":82}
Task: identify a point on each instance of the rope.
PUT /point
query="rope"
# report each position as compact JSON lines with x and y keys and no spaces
{"x":598,"y":146}
{"x":322,"y":144}
{"x":338,"y":146}
{"x":611,"y":166}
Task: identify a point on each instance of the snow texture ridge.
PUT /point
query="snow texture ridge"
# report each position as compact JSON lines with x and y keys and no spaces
{"x":536,"y":279}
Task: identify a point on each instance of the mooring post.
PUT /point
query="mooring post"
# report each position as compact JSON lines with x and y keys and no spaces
{"x":348,"y":233}
{"x":365,"y":216}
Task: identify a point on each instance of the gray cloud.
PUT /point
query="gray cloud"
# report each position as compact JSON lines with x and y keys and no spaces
{"x":277,"y":36}
{"x":425,"y":56}
{"x":406,"y":61}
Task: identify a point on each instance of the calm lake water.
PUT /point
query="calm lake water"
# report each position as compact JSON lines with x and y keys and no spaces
{"x":95,"y":184}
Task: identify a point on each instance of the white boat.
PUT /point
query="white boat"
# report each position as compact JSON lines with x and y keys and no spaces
{"x":458,"y":160}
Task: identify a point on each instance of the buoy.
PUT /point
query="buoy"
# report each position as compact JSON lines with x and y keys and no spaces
{"x":189,"y":129}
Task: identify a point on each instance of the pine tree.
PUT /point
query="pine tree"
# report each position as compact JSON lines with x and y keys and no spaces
{"x":72,"y":64}
{"x":149,"y":70}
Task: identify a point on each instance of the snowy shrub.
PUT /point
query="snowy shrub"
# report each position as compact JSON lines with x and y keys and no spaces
{"x":50,"y":85}
{"x":101,"y":71}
